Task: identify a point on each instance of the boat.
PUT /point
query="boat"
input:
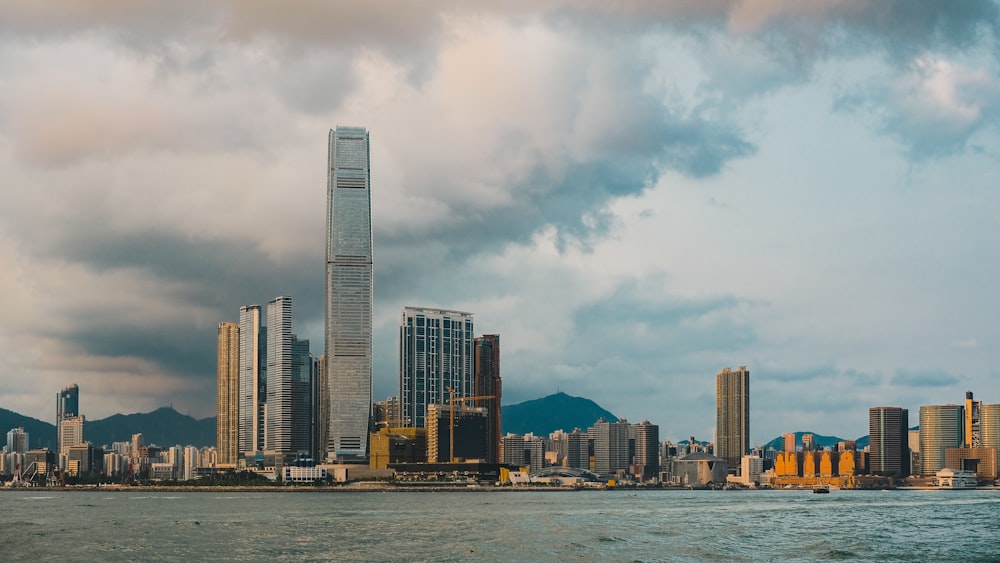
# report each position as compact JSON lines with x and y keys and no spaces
{"x":821,"y":488}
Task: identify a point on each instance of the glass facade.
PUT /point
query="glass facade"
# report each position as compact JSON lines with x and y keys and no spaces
{"x":436,"y":352}
{"x":349,"y":293}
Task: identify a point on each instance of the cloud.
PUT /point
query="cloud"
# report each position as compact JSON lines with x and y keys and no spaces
{"x":923,"y":378}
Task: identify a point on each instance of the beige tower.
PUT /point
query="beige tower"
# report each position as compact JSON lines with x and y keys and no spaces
{"x":228,"y":372}
{"x":732,"y":415}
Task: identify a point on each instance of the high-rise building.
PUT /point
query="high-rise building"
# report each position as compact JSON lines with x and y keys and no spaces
{"x":68,"y":408}
{"x":789,"y":441}
{"x":17,"y":440}
{"x":349,"y":295}
{"x":278,"y":425}
{"x":435,"y":355}
{"x":303,"y":413}
{"x":68,"y":402}
{"x":228,"y":398}
{"x":486,"y":382}
{"x":253,"y":381}
{"x":578,"y":450}
{"x":888,"y":431}
{"x":732,"y":415}
{"x":989,"y":421}
{"x":940,"y":429}
{"x":70,"y":433}
{"x":973,"y":437}
{"x":611,"y":451}
{"x":647,"y":450}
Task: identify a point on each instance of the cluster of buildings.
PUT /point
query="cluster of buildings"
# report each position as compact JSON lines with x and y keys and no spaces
{"x":78,"y":458}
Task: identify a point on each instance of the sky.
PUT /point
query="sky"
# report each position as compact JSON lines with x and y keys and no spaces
{"x":634,"y":195}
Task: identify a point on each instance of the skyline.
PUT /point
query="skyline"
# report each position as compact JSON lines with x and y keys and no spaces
{"x":657,"y":191}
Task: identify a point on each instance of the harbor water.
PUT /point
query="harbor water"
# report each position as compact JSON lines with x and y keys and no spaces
{"x":613,"y":525}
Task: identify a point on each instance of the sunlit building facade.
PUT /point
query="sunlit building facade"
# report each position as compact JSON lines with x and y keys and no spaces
{"x":940,"y":428}
{"x":253,"y":382}
{"x":732,"y":415}
{"x":227,"y":429}
{"x":349,"y":295}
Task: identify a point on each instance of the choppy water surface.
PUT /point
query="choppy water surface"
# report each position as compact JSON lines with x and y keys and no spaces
{"x":508,"y":526}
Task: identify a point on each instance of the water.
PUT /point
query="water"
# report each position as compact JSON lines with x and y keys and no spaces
{"x":46,"y":525}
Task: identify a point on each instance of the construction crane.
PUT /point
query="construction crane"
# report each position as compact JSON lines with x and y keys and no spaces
{"x":452,"y":399}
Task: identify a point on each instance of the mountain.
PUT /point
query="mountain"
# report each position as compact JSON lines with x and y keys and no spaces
{"x":41,"y":434}
{"x":548,"y":414}
{"x":163,"y":427}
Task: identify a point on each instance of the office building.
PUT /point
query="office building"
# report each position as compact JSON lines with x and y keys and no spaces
{"x":888,"y":431}
{"x":940,"y":428}
{"x":577,"y":450}
{"x":487,"y":383}
{"x":17,"y":440}
{"x":67,"y":407}
{"x":647,"y":450}
{"x":227,"y":427}
{"x":70,"y":434}
{"x":732,"y":415}
{"x":611,"y":446}
{"x":972,"y":430}
{"x":278,"y":425}
{"x":435,"y":360}
{"x":789,"y":441}
{"x":253,"y":379}
{"x":349,"y":295}
{"x":304,"y":420}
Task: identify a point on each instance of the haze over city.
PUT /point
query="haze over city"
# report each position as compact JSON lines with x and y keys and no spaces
{"x":632,"y":196}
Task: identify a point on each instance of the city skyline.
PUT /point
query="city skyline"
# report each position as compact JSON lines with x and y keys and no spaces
{"x":633,"y":197}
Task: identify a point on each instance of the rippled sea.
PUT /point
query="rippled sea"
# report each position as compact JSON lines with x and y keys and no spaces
{"x":501,"y":526}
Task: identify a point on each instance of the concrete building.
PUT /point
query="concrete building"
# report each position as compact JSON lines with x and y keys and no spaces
{"x":981,"y":461}
{"x":888,"y":430}
{"x":70,"y":434}
{"x":523,"y":451}
{"x":17,"y":440}
{"x":397,"y":445}
{"x":68,"y":408}
{"x":349,"y":295}
{"x":789,"y":442}
{"x":253,"y":379}
{"x":611,"y":447}
{"x":227,"y":427}
{"x":578,"y":447}
{"x":647,"y":450}
{"x":487,"y":383}
{"x":435,"y":355}
{"x":732,"y":415}
{"x":700,"y":469}
{"x":85,"y":459}
{"x":941,"y":428}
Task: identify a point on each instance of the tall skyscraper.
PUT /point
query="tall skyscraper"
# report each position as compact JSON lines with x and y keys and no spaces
{"x":278,"y":426}
{"x":253,"y":382}
{"x":973,"y":436}
{"x":888,"y":431}
{"x":349,"y":294}
{"x":940,"y":429}
{"x":732,"y":415}
{"x":228,"y":398}
{"x":486,"y":382}
{"x":69,"y":423}
{"x":435,"y":354}
{"x":611,"y":451}
{"x":647,"y":449}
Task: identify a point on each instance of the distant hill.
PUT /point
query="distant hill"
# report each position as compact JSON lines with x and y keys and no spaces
{"x":548,"y":414}
{"x":163,"y":427}
{"x":41,"y":434}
